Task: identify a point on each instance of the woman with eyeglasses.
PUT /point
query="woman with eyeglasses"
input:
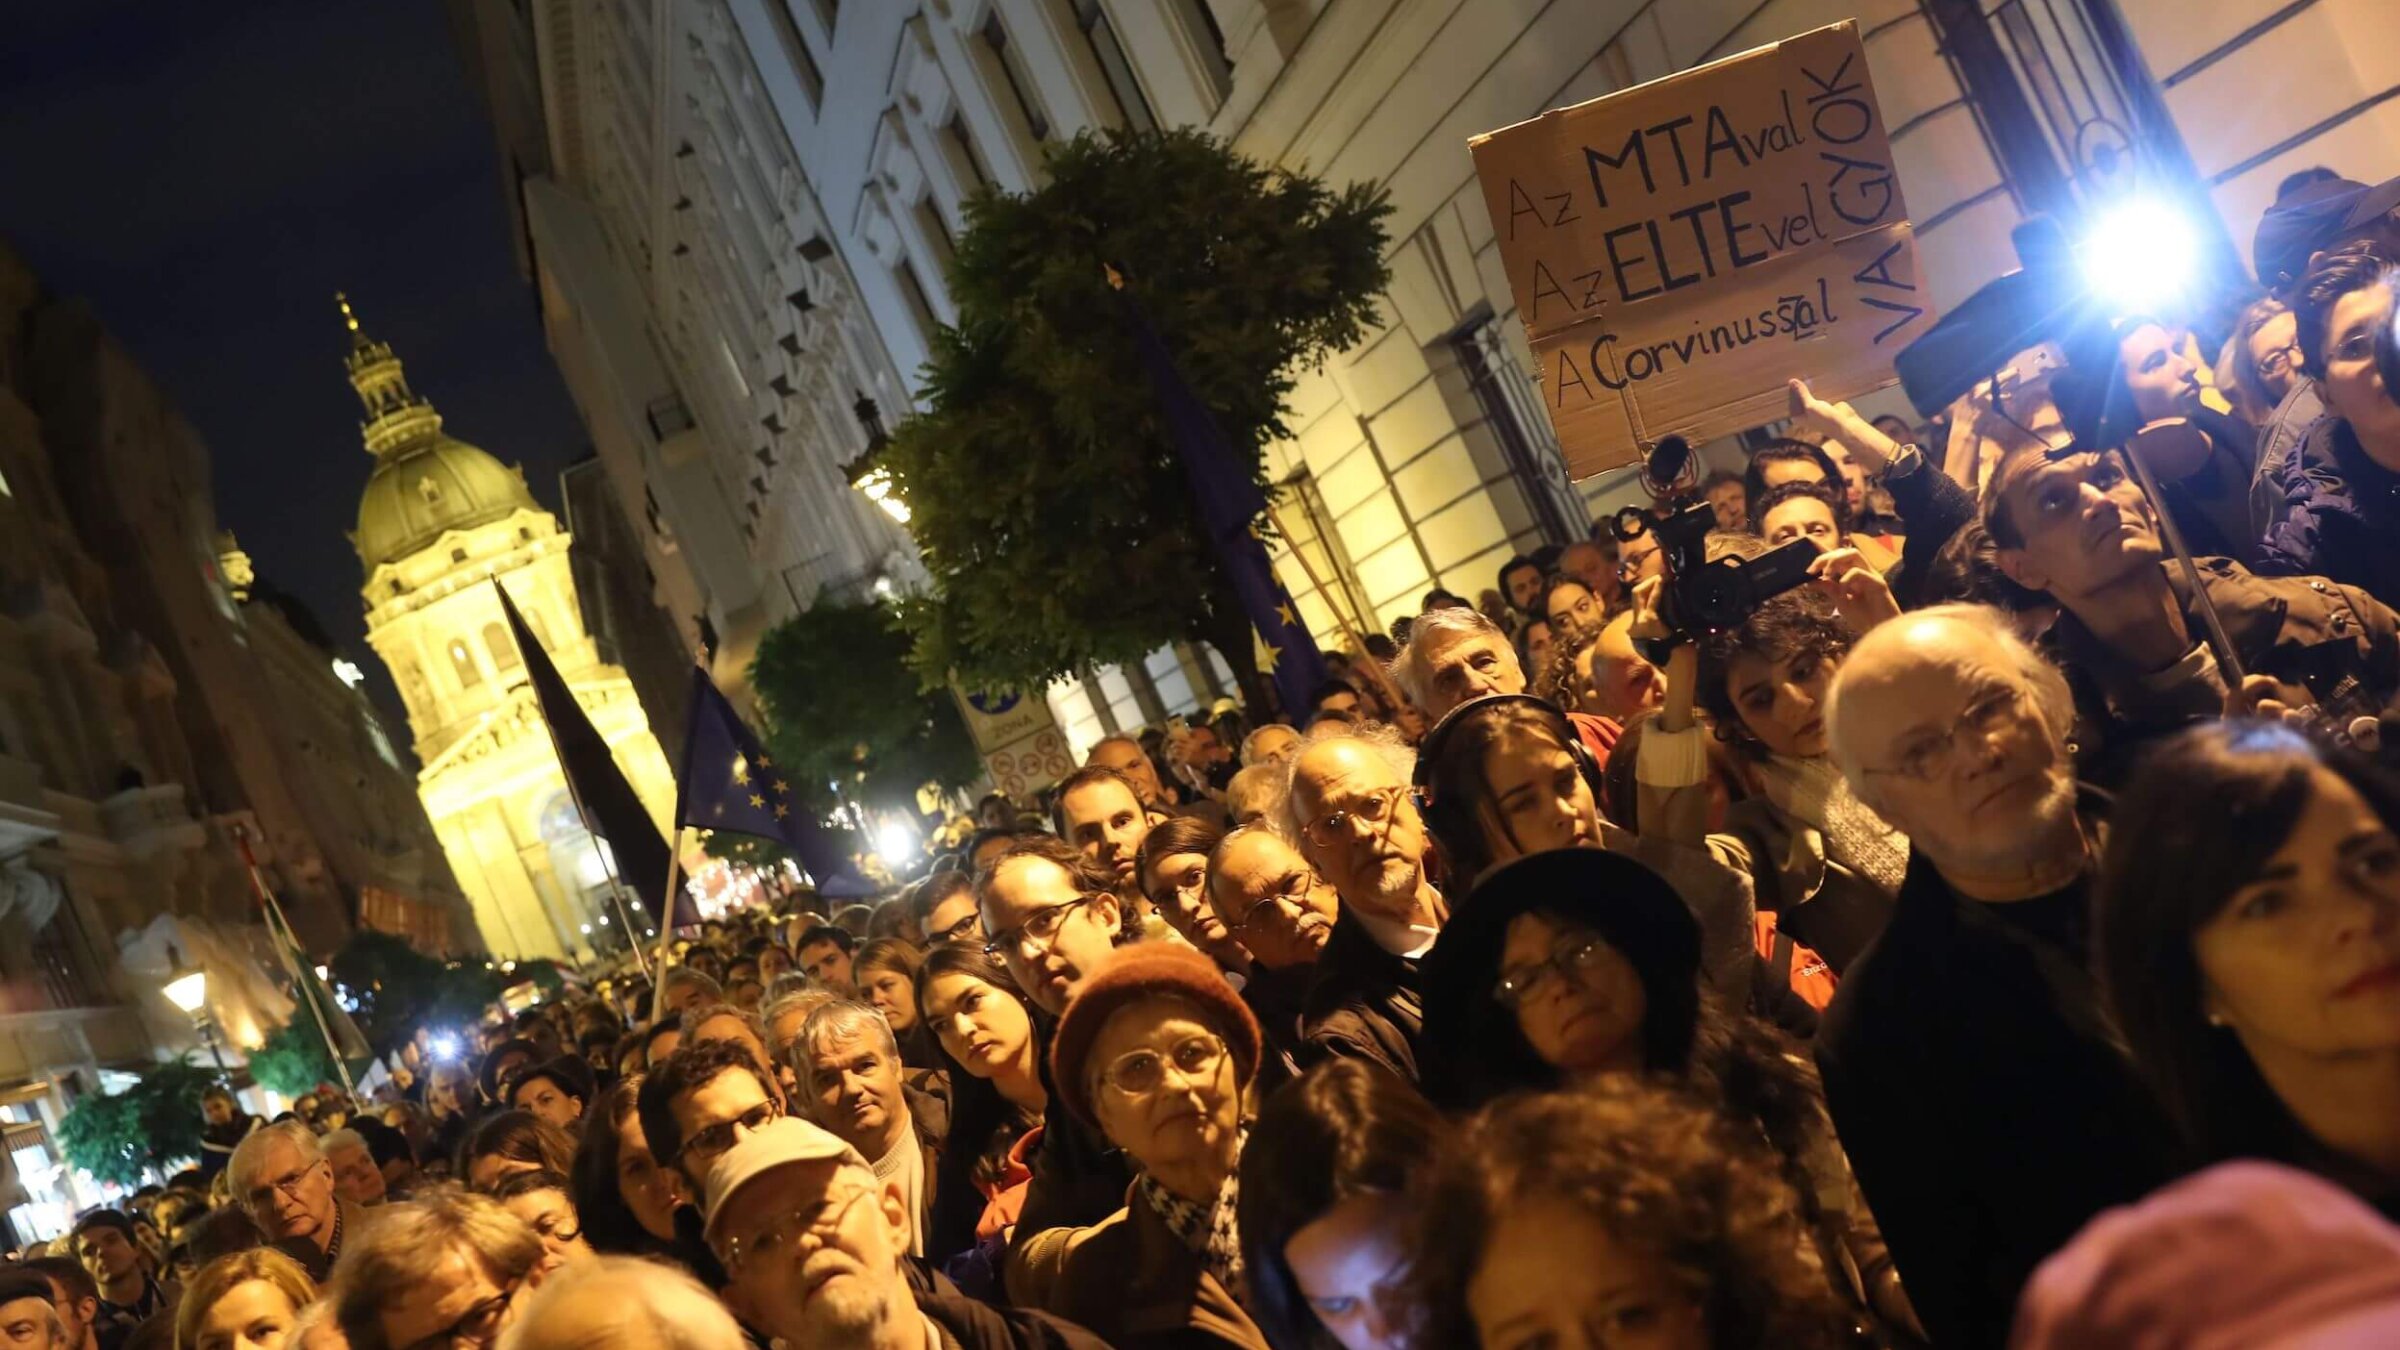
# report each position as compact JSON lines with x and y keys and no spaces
{"x":248,"y":1300}
{"x":985,"y":1030}
{"x":2253,"y":966}
{"x":2341,"y":513}
{"x":1577,"y":966}
{"x":1156,"y":1052}
{"x":439,"y":1273}
{"x":544,"y":1202}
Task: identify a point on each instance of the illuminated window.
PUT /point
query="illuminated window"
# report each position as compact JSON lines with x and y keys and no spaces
{"x":504,"y":652}
{"x":462,"y":664}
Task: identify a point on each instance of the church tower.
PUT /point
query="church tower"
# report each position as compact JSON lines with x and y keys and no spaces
{"x":439,"y":521}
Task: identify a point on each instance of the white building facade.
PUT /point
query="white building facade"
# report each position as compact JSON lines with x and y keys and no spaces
{"x":781,"y":183}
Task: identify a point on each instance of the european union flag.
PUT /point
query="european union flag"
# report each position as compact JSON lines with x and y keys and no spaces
{"x":1226,"y":490}
{"x":728,"y":782}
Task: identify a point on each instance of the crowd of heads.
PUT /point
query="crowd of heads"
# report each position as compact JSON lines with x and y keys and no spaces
{"x":1995,"y":934}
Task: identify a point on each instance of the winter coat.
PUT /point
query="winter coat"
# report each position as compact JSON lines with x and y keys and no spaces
{"x":1987,"y":1105}
{"x":2278,"y":441}
{"x":2341,"y":515}
{"x":1132,"y":1281}
{"x":964,"y":1324}
{"x":1364,"y":1003}
{"x":1932,"y":507}
{"x":2342,"y":644}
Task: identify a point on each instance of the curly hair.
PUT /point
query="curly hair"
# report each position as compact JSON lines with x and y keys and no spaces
{"x":1661,"y":1174}
{"x":1791,"y":626}
{"x":2352,"y":267}
{"x":1835,"y":499}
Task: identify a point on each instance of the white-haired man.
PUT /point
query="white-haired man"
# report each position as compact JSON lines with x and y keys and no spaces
{"x":850,"y":1078}
{"x":1986,"y":1107}
{"x":283,"y":1181}
{"x":623,"y":1303}
{"x":1355,"y":817}
{"x":1456,"y":655}
{"x":1274,"y":743}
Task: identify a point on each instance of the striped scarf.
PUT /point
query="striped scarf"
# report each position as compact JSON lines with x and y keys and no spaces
{"x":1209,"y":1231}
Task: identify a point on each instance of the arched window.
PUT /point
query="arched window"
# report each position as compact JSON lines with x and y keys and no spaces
{"x":504,"y":652}
{"x":462,"y":663}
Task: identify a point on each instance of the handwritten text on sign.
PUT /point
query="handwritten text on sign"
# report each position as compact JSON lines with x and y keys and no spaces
{"x":1679,"y":249}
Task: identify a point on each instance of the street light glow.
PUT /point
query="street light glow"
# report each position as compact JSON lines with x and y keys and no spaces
{"x":895,"y":841}
{"x":2141,"y":255}
{"x":188,"y":992}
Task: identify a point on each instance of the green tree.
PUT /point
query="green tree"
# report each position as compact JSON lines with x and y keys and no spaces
{"x":152,"y":1124}
{"x":399,"y":988}
{"x":293,"y":1058}
{"x":1050,"y":504}
{"x":835,"y":685}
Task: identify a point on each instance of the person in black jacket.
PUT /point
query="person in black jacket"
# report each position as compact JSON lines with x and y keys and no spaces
{"x":1357,"y":822}
{"x":1985,"y":1101}
{"x":1930,"y":504}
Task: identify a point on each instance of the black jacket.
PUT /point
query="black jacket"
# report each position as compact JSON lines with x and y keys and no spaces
{"x":1364,"y":1003}
{"x":1079,"y":1178}
{"x":1932,"y":507}
{"x":1275,"y":997}
{"x":1988,"y":1108}
{"x":964,"y":1324}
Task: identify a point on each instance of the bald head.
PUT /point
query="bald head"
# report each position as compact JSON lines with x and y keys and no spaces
{"x":1619,"y":681}
{"x":620,"y":1303}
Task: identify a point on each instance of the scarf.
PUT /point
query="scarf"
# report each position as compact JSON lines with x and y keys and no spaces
{"x":1814,"y":793}
{"x":1209,"y":1231}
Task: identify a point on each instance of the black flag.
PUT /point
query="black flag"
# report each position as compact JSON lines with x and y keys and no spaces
{"x":603,"y":797}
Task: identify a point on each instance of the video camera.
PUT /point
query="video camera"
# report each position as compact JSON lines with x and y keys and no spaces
{"x":1700,"y":597}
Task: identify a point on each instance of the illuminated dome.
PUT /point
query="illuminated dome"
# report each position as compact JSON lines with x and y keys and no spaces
{"x":425,"y":484}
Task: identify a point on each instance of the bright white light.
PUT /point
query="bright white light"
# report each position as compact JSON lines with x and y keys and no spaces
{"x":878,"y":487}
{"x":649,"y":932}
{"x":348,"y":672}
{"x":883,"y":586}
{"x":2140,"y":256}
{"x":443,"y":1045}
{"x":320,"y":972}
{"x":604,"y":921}
{"x":895,"y":841}
{"x":587,"y":928}
{"x":506,"y":966}
{"x":186,"y":993}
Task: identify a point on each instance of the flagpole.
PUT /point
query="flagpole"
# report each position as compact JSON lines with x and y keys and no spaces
{"x":666,"y":921}
{"x":608,"y":855}
{"x":287,"y":945}
{"x":1383,"y":679}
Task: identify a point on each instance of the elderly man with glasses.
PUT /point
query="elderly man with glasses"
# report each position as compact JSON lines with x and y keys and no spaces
{"x":1356,"y":819}
{"x":1283,"y":913}
{"x":283,"y":1181}
{"x":1988,"y":1109}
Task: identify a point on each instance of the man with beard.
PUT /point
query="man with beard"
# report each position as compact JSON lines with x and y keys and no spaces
{"x":813,"y":1244}
{"x":1988,"y":1109}
{"x":1100,"y":812}
{"x":1352,"y":810}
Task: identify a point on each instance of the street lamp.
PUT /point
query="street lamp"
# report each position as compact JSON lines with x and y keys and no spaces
{"x":863,"y":473}
{"x":187,"y":989}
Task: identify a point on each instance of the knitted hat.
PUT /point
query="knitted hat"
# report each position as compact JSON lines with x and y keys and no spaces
{"x":1164,"y":968}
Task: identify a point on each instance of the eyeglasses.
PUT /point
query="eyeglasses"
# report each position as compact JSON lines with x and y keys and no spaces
{"x":1568,"y":961}
{"x":1291,"y":904}
{"x":1935,"y":754}
{"x":1034,"y":936}
{"x":259,"y":1197}
{"x":960,"y":931}
{"x":477,"y":1327}
{"x":820,"y":1222}
{"x":710,"y":1140}
{"x":1140,"y":1072}
{"x":2280,"y":361}
{"x":1373,"y":809}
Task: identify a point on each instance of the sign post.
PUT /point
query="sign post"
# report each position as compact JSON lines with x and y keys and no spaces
{"x":1022,"y":746}
{"x":1679,"y":249}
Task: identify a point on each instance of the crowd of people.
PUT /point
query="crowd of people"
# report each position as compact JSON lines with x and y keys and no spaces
{"x":1993,"y":939}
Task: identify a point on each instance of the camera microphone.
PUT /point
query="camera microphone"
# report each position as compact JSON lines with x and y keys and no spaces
{"x":1667,"y":460}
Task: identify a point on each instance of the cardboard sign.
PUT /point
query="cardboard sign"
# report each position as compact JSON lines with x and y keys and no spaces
{"x":1681,"y":248}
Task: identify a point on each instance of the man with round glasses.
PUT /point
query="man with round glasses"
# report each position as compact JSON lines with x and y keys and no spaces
{"x":1356,"y":819}
{"x":1283,"y":913}
{"x":814,"y":1248}
{"x":1987,"y":1109}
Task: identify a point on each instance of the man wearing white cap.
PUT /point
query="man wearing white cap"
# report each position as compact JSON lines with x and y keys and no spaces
{"x":813,"y":1246}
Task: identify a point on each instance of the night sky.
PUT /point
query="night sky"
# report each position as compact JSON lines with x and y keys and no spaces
{"x":209,"y":175}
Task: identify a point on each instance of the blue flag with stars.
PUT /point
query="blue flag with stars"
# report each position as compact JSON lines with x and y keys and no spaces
{"x":1230,"y":504}
{"x":728,"y":782}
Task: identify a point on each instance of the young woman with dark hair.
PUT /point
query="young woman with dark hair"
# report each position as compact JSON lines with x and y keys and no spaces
{"x":1619,"y":1214}
{"x":885,"y":971}
{"x":990,"y":1040}
{"x":624,"y":1196}
{"x":1323,"y":1207}
{"x":2248,"y":925}
{"x":509,"y":1142}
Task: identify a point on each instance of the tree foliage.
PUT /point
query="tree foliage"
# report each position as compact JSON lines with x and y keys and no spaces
{"x":841,"y":705}
{"x":152,"y":1124}
{"x":1048,"y":499}
{"x":399,"y":988}
{"x":293,"y":1058}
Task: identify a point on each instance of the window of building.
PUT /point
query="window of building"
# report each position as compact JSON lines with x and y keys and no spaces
{"x":462,"y":664}
{"x":1310,"y":533}
{"x":803,"y":61}
{"x":458,"y":555}
{"x":920,"y":305}
{"x":958,"y":147}
{"x":1509,"y":408}
{"x":1099,"y":34}
{"x":430,"y":490}
{"x":936,"y":231}
{"x":503,"y":649}
{"x":1011,"y":65}
{"x":1200,"y":24}
{"x":828,"y":13}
